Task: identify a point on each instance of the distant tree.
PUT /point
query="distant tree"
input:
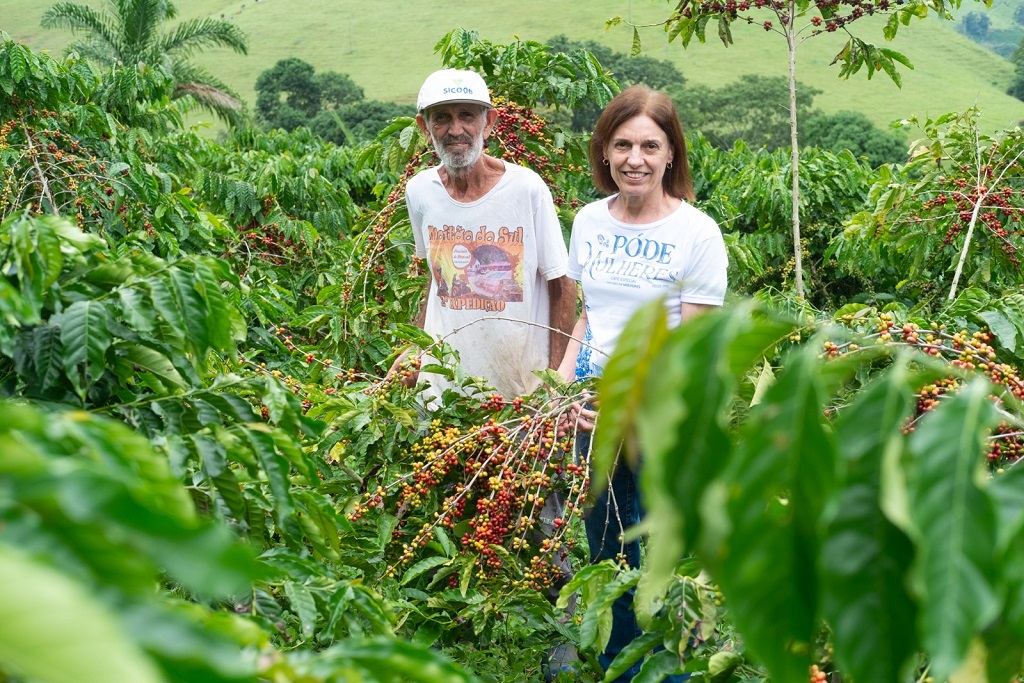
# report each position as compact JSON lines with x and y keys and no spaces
{"x":287,"y":94}
{"x":356,"y":122}
{"x":854,"y":131}
{"x":1018,"y":15}
{"x":976,"y":25}
{"x":656,"y":73}
{"x":337,"y":90}
{"x":291,"y":94}
{"x":130,"y":32}
{"x":1016,"y":88}
{"x":754,"y":109}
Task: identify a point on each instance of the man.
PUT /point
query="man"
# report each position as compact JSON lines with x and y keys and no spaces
{"x":497,"y":290}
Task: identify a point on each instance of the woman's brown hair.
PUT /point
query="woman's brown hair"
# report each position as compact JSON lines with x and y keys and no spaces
{"x":638,"y":100}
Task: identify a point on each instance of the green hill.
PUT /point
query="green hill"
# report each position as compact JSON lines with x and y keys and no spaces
{"x":387,"y":47}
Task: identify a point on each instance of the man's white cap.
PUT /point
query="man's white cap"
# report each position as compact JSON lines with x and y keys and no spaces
{"x":452,"y":86}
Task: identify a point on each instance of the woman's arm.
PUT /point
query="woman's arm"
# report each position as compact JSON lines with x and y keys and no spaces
{"x":567,"y":368}
{"x":689,"y":311}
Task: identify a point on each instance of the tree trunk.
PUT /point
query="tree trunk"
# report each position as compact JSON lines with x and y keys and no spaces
{"x":798,"y":265}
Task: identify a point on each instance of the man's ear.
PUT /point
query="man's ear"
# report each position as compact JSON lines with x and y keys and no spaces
{"x":422,"y":123}
{"x":491,"y":116}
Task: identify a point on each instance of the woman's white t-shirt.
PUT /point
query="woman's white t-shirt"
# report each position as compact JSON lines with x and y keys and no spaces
{"x":622,"y":266}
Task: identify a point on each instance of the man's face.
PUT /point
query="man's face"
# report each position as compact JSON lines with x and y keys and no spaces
{"x":458,"y":132}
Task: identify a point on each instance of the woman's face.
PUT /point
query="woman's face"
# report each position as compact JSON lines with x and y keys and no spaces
{"x":638,"y":154}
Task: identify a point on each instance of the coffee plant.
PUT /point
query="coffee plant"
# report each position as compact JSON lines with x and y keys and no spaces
{"x":206,"y":472}
{"x":952,"y":214}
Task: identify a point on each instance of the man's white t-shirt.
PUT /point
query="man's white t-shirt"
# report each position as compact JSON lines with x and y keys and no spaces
{"x":622,"y":266}
{"x":491,"y":260}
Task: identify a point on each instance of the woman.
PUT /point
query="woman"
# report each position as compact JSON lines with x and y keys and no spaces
{"x":643,"y":242}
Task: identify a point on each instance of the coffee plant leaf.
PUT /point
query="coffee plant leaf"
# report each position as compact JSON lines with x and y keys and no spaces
{"x":621,"y":389}
{"x":775,"y":486}
{"x":864,"y":556}
{"x":596,"y":627}
{"x":954,"y":526}
{"x":302,"y":604}
{"x":58,"y":633}
{"x":1005,"y":330}
{"x":194,"y":312}
{"x":188,"y":642}
{"x":658,"y":666}
{"x":634,"y":652}
{"x":85,"y":339}
{"x":1003,"y":653}
{"x":47,"y":356}
{"x":150,"y":363}
{"x":722,"y":664}
{"x":423,"y":566}
{"x":276,"y":468}
{"x":683,"y":421}
{"x":381,"y":660}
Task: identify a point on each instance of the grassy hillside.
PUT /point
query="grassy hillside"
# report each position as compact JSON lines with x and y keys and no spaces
{"x":387,"y":47}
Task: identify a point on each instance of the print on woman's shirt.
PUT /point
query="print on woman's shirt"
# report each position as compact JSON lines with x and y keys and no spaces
{"x":477,"y":270}
{"x":630,"y":260}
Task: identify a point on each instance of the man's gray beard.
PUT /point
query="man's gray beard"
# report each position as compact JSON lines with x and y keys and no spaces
{"x":459,"y":163}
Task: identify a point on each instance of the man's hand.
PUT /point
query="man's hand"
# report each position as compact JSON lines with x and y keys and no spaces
{"x":407,"y":369}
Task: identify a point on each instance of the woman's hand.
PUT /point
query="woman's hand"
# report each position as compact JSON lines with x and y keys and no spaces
{"x":581,"y":415}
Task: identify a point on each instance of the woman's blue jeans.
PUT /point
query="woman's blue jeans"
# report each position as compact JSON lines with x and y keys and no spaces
{"x":616,"y":509}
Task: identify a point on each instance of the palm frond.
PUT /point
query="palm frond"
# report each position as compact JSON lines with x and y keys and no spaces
{"x":102,"y":30}
{"x":140,"y":27}
{"x":194,"y":35}
{"x":207,"y":90}
{"x":209,"y":96}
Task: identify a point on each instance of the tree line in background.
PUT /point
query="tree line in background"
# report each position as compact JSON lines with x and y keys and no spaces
{"x":753,"y":109}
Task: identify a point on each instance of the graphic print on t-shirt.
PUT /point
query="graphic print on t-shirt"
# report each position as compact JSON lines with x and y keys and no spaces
{"x":481,"y":269}
{"x":630,"y":261}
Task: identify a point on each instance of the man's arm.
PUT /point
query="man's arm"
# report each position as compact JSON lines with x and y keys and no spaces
{"x":418,"y":321}
{"x":562,"y":300}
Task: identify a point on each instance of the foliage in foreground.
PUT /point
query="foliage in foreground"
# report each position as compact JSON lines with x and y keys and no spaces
{"x":833,"y":503}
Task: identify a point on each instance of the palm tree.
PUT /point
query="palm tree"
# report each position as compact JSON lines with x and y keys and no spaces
{"x":129,"y":33}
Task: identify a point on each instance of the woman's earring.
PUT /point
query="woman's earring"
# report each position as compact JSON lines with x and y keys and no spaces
{"x":669,"y":165}
{"x":604,"y":161}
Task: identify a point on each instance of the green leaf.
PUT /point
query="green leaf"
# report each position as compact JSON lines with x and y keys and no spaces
{"x":865,"y":558}
{"x":1004,"y":330}
{"x":635,"y":49}
{"x":466,"y":575}
{"x":57,"y":632}
{"x":621,"y":388}
{"x":219,"y":312}
{"x":683,"y":423}
{"x":47,"y":355}
{"x":634,"y":652}
{"x":390,"y":657}
{"x":151,"y":362}
{"x":85,"y":338}
{"x":954,"y":523}
{"x":596,"y":627}
{"x":768,"y":502}
{"x":722,"y":664}
{"x":303,"y":605}
{"x":276,"y":469}
{"x":423,"y":566}
{"x":193,"y":311}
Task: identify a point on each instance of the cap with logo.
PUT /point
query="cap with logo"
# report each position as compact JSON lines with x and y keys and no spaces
{"x":453,"y":86}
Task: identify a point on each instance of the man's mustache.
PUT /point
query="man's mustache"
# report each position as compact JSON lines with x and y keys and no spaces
{"x":457,"y":139}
